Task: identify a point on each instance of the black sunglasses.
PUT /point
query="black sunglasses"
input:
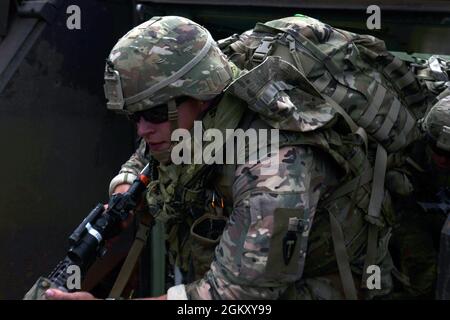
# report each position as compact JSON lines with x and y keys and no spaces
{"x":158,"y":114}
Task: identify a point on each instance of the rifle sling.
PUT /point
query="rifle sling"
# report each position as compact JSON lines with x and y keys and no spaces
{"x":131,"y":260}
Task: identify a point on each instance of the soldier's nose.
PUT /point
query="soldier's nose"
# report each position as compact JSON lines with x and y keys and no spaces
{"x":144,"y":127}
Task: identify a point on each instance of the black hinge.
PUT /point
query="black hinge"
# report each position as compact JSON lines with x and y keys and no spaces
{"x":4,"y":13}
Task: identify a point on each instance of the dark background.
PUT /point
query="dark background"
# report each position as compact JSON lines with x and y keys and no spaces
{"x":60,"y":146}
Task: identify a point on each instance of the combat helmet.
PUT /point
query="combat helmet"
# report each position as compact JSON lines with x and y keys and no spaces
{"x":160,"y":60}
{"x":436,"y":124}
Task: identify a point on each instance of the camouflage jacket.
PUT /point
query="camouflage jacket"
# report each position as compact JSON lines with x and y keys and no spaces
{"x":248,"y":261}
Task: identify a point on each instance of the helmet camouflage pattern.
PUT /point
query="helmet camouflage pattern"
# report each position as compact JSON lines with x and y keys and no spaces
{"x":437,"y":123}
{"x":161,"y":59}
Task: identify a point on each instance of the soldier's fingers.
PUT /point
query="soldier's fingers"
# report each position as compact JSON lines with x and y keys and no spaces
{"x":55,"y":294}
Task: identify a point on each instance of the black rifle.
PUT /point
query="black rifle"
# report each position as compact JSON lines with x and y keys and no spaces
{"x":87,"y":242}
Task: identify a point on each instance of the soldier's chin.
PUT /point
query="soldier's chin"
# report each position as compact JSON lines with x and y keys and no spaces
{"x":159,"y":147}
{"x":163,"y":155}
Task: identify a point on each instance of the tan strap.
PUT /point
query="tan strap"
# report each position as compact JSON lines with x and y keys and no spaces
{"x":394,"y":65}
{"x":322,"y":82}
{"x":131,"y":260}
{"x":375,"y":202}
{"x":383,"y":132}
{"x":342,"y":259}
{"x":339,"y":93}
{"x":405,"y":80}
{"x":371,"y":112}
{"x":377,"y":194}
{"x":295,"y":54}
{"x":353,"y":126}
{"x":363,"y":134}
{"x":400,"y":140}
{"x":349,"y":186}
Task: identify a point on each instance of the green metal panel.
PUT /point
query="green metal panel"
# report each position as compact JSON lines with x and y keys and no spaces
{"x":158,"y":261}
{"x":411,"y":28}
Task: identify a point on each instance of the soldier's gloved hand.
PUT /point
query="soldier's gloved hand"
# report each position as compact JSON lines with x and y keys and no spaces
{"x":121,"y":188}
{"x":55,"y":294}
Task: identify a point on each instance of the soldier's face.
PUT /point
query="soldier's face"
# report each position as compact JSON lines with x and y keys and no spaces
{"x":157,"y":135}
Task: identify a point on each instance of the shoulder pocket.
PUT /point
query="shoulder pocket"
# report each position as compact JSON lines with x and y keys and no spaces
{"x":288,"y":243}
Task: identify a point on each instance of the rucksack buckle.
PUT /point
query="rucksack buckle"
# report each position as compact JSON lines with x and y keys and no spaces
{"x":263,"y":50}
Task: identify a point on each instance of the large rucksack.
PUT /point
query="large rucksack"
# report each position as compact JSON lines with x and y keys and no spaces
{"x":303,"y":76}
{"x":375,"y":88}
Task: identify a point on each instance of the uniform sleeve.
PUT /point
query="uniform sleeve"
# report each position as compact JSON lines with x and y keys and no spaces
{"x":131,"y":168}
{"x":254,"y":259}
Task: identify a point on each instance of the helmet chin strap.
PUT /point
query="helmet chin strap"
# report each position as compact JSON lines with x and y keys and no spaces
{"x":164,"y":156}
{"x":172,"y":114}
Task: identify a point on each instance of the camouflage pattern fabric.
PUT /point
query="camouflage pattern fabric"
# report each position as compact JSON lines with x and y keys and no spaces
{"x":154,"y":56}
{"x":436,"y":124}
{"x":183,"y":248}
{"x":247,"y":263}
{"x":283,"y":97}
{"x":375,"y":88}
{"x":137,"y":160}
{"x":433,"y":74}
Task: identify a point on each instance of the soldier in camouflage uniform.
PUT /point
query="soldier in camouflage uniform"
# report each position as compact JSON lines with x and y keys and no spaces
{"x":422,"y":204}
{"x":168,"y":72}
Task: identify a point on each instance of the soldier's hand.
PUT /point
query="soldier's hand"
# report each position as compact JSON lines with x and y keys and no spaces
{"x":55,"y":294}
{"x":121,"y":188}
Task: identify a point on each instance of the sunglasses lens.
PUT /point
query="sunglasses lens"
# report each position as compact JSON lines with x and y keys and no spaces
{"x":157,"y":114}
{"x":154,"y":115}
